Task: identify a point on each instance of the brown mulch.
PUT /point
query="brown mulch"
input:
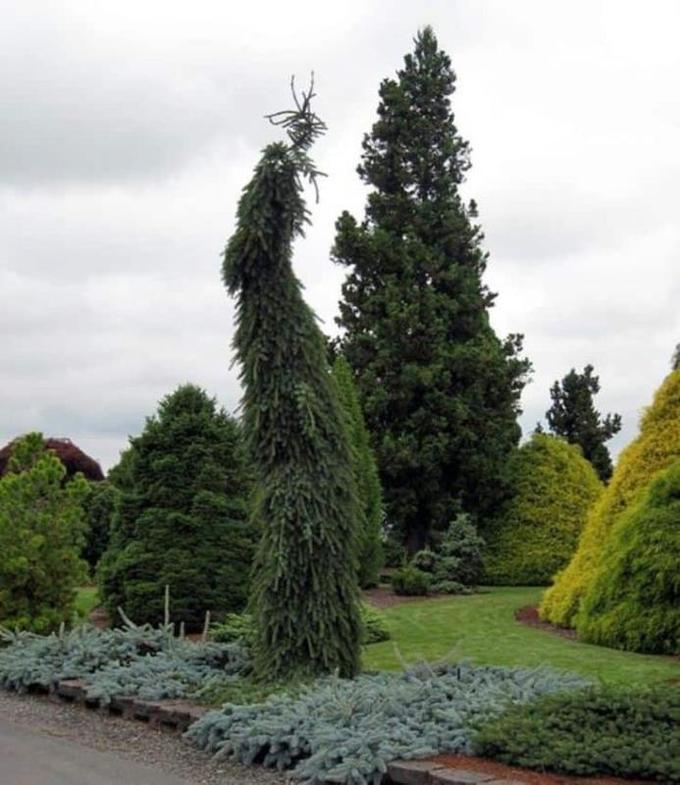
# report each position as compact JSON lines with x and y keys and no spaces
{"x":384,"y":597}
{"x":99,"y":618}
{"x":503,"y":772}
{"x":529,"y":615}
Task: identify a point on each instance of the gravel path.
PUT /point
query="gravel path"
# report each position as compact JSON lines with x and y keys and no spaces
{"x":163,"y":751}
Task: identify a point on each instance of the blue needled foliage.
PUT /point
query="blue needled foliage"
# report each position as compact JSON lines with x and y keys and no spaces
{"x":346,"y":731}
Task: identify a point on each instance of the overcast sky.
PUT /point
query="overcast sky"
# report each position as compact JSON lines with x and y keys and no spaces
{"x":129,"y":128}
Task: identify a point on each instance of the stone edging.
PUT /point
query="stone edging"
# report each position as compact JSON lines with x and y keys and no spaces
{"x":171,"y":714}
{"x":423,"y":772}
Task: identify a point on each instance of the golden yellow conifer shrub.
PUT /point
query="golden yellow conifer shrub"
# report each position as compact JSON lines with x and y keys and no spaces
{"x":656,"y":447}
{"x":537,"y":531}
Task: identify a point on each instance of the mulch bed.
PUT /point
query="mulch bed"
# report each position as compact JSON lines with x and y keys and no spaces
{"x":503,"y":772}
{"x":529,"y":615}
{"x":384,"y":597}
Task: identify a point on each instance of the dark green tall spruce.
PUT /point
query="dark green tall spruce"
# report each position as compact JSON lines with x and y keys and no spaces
{"x":574,"y":417}
{"x":439,"y":390}
{"x":182,"y":516}
{"x":305,"y":591}
{"x":371,"y":557}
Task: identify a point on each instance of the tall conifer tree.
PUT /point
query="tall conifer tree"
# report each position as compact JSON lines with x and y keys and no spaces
{"x":574,"y":417}
{"x":439,"y":390}
{"x":305,"y":592}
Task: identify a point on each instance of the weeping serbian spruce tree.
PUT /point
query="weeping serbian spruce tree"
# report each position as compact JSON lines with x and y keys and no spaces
{"x":305,"y":591}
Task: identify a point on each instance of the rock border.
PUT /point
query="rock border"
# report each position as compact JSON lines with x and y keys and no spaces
{"x":174,"y":715}
{"x":423,"y":772}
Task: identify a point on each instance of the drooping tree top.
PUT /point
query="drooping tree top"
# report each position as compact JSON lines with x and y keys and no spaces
{"x":267,"y":226}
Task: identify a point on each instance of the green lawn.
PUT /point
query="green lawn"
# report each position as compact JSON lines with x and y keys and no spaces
{"x":481,"y":628}
{"x":86,"y":599}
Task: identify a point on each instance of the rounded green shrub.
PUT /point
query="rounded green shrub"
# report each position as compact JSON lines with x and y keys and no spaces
{"x":634,"y":601}
{"x":425,"y":560}
{"x":656,"y":447}
{"x":537,"y":531}
{"x":410,"y":581}
{"x":41,"y":536}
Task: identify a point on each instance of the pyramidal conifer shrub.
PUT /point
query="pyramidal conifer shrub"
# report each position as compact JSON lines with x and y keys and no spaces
{"x":305,"y":597}
{"x":634,"y":601}
{"x":182,"y":517}
{"x":371,"y":556}
{"x":537,"y":531}
{"x":656,"y":447}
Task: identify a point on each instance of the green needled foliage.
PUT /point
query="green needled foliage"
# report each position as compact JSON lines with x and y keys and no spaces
{"x":537,"y":531}
{"x":41,"y":535}
{"x":305,"y":590}
{"x":99,"y":510}
{"x":573,"y":416}
{"x":371,"y":557}
{"x":634,"y":600}
{"x":439,"y":390}
{"x":182,"y":517}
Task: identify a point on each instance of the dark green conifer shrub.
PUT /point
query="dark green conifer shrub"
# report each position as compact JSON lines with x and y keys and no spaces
{"x":573,"y":416}
{"x":99,"y":508}
{"x":41,"y":536}
{"x":536,"y":532}
{"x":634,"y":600}
{"x":305,"y":591}
{"x":410,"y":581}
{"x":606,"y":731}
{"x":371,"y":557}
{"x":182,"y":520}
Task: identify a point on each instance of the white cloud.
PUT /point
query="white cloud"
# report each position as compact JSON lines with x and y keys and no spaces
{"x":129,"y":129}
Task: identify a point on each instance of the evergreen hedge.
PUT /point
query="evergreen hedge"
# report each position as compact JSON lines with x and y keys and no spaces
{"x":656,"y":447}
{"x":634,"y":601}
{"x":536,"y":532}
{"x":182,"y":517}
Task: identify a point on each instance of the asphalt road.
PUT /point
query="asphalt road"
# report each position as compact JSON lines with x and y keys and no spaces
{"x":28,"y":757}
